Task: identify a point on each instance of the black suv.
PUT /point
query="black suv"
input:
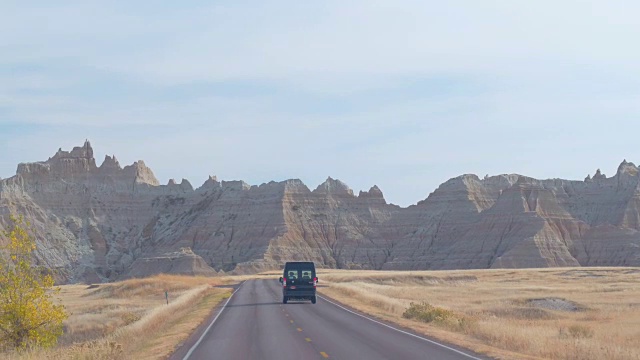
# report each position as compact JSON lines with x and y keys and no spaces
{"x":299,"y":281}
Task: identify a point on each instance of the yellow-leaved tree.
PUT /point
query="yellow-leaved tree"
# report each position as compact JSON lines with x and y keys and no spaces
{"x":28,"y":314}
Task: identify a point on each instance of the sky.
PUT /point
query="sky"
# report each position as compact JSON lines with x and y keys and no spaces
{"x":403,"y":94}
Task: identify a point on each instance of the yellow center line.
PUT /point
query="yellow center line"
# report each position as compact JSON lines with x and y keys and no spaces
{"x":307,"y":339}
{"x":300,"y":329}
{"x":291,"y":321}
{"x":324,"y":354}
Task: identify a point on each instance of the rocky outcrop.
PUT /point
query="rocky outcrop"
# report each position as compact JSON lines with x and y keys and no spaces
{"x":333,"y":187}
{"x":182,"y":262}
{"x":101,"y":223}
{"x":374,"y":195}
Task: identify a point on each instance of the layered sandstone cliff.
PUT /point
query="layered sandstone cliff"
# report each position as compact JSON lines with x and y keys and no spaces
{"x":105,"y":222}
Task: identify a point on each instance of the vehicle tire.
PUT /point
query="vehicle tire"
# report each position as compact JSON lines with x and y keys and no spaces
{"x":313,"y":300}
{"x":284,"y":300}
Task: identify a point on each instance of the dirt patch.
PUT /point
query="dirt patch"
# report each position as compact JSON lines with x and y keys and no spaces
{"x":581,"y":274}
{"x":525,"y":313}
{"x":462,"y":278}
{"x":411,"y":280}
{"x":556,"y":304}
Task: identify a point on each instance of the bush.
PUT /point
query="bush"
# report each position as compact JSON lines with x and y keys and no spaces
{"x":432,"y":314}
{"x":427,"y":313}
{"x":130,"y":318}
{"x":576,"y":332}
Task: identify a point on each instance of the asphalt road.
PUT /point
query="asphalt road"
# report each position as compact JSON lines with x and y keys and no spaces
{"x":254,"y":324}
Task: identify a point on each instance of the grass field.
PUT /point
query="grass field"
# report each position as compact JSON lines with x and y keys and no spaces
{"x":569,"y":313}
{"x":131,"y":319}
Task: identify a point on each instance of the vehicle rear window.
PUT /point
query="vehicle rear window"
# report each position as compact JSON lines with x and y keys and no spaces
{"x":303,"y":273}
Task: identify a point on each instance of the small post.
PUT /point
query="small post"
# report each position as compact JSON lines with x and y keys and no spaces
{"x":166,"y":296}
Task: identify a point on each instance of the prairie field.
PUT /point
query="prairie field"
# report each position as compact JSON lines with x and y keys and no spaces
{"x":131,"y":319}
{"x":567,"y":313}
{"x":560,"y":313}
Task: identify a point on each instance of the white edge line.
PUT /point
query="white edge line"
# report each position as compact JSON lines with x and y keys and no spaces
{"x":402,"y":331}
{"x":210,"y":325}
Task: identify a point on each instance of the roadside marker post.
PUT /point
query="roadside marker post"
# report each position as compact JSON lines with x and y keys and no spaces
{"x":166,"y":296}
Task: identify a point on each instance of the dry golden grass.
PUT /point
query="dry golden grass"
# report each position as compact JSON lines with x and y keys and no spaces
{"x":130,"y":319}
{"x":490,"y":311}
{"x":599,"y":318}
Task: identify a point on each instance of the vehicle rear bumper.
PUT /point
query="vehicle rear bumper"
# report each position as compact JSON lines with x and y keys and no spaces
{"x":299,"y":293}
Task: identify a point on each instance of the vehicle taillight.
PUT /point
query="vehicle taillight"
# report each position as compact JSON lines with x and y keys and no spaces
{"x":284,"y":282}
{"x":315,"y":281}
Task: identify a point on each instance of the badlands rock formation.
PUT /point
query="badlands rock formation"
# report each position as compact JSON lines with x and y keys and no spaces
{"x":98,"y":223}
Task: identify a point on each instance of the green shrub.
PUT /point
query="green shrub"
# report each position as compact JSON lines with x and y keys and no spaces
{"x":432,"y":314}
{"x":428,"y":313}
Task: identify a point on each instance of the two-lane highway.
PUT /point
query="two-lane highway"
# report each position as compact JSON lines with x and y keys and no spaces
{"x":255,"y":324}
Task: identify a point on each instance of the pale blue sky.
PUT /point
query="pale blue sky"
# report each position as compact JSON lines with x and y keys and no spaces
{"x":402,"y":94}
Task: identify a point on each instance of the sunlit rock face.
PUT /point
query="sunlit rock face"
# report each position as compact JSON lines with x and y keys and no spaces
{"x":99,"y":223}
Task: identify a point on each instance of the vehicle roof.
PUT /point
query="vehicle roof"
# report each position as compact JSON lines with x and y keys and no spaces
{"x":299,"y":263}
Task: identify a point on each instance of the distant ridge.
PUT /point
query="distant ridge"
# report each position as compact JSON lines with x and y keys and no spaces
{"x":99,"y":223}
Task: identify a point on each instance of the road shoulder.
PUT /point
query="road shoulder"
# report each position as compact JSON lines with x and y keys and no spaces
{"x":184,"y":347}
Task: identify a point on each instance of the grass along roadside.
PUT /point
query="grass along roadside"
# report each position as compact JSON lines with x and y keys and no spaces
{"x":130,"y":319}
{"x":571,"y":313}
{"x":174,"y":326}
